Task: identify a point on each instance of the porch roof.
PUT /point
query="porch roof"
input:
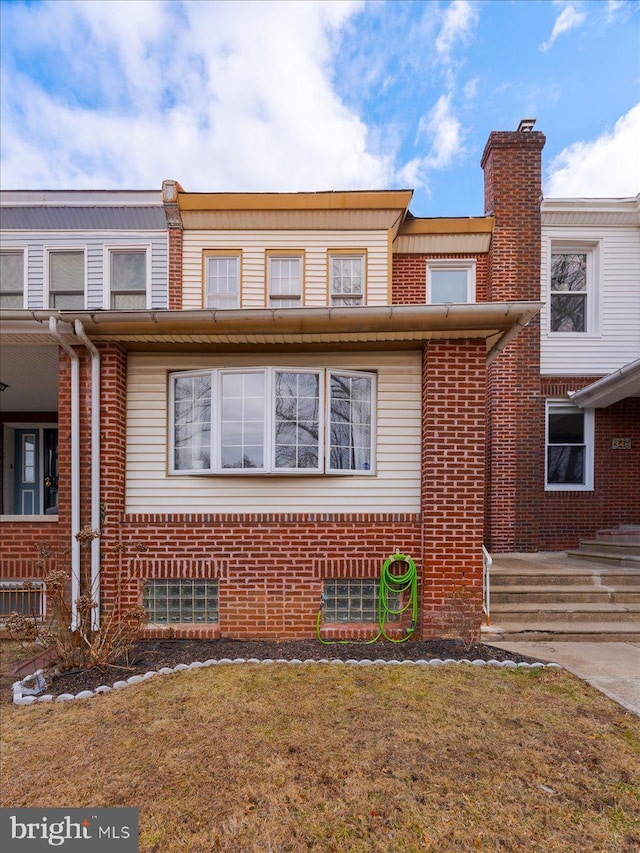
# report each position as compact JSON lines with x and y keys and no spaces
{"x":616,"y":386}
{"x":385,"y":326}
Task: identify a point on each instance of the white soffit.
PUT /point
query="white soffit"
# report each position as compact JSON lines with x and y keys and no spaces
{"x":31,"y":375}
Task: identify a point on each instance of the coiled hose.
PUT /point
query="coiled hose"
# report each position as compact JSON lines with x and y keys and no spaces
{"x":390,"y":585}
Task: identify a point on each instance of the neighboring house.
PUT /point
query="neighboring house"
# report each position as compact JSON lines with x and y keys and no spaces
{"x":301,"y":392}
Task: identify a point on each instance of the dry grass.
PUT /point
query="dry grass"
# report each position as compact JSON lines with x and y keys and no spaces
{"x":323,"y":758}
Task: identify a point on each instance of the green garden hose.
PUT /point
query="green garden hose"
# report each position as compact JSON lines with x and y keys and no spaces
{"x":390,"y":585}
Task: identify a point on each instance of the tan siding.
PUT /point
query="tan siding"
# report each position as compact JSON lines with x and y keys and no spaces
{"x":395,"y":487}
{"x":254,"y":245}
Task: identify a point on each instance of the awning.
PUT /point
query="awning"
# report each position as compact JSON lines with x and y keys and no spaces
{"x":616,"y":386}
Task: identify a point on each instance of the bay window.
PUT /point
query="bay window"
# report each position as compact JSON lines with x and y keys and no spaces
{"x":272,"y":421}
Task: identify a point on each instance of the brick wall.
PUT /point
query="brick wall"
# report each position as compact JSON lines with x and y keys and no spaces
{"x":567,"y":517}
{"x":409,"y":285}
{"x":513,"y":185}
{"x":271,"y":567}
{"x":175,"y":268}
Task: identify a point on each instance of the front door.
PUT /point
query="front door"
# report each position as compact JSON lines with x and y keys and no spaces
{"x":35,"y":471}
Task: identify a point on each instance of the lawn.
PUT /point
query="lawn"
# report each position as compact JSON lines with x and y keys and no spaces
{"x":376,"y":759}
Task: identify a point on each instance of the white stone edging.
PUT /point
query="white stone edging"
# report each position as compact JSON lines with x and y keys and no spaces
{"x":24,"y":695}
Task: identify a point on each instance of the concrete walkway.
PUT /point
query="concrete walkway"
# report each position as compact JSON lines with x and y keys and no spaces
{"x":612,"y":668}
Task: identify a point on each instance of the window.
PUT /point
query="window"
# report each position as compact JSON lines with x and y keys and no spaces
{"x":12,"y":280}
{"x":355,"y":600}
{"x":128,"y":279}
{"x":23,"y":597}
{"x":66,"y":280}
{"x":572,"y":304}
{"x":272,"y":421}
{"x":451,"y":281}
{"x":222,"y":281}
{"x":285,"y":281}
{"x":346,"y":280}
{"x":170,"y":602}
{"x":569,"y":458}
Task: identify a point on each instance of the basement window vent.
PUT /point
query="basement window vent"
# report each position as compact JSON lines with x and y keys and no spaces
{"x":355,"y":600}
{"x":170,"y":602}
{"x":23,"y":597}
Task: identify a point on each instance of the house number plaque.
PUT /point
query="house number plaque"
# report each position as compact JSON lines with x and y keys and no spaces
{"x":621,"y":444}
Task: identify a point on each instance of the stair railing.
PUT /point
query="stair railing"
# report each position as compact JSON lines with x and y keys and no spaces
{"x":487,"y":562}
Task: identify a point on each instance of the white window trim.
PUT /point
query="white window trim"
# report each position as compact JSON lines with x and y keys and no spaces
{"x":347,"y":255}
{"x":24,"y":251}
{"x":109,"y":250}
{"x":592,"y":249}
{"x":284,"y":256}
{"x":589,"y":446}
{"x":221,"y":255}
{"x":467,"y":265}
{"x":52,"y":250}
{"x":269,"y":468}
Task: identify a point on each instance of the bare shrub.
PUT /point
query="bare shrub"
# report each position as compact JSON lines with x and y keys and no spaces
{"x":79,"y":645}
{"x":461,"y":616}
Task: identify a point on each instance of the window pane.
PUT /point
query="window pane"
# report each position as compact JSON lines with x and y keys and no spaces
{"x":569,"y":272}
{"x":66,"y":272}
{"x":565,"y":464}
{"x":297,"y":420}
{"x":68,"y":301}
{"x":350,"y":422}
{"x":347,"y":279}
{"x":243,"y":422}
{"x":12,"y":275}
{"x":192,"y":423}
{"x":128,"y":271}
{"x":449,"y":286}
{"x":285,"y":282}
{"x":568,"y":312}
{"x":222,"y":289}
{"x":13,"y":300}
{"x":129,"y":301}
{"x":566,"y":428}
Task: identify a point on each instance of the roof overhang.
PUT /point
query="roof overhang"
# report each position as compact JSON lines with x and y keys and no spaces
{"x":366,"y":327}
{"x":616,"y":386}
{"x":349,"y":210}
{"x":446,"y":235}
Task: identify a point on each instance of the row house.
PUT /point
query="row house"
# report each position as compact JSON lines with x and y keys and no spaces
{"x":258,"y":398}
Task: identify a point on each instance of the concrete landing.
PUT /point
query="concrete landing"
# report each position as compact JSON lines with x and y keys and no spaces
{"x":612,"y":668}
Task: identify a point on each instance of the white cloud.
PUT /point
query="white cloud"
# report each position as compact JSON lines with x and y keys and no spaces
{"x":442,"y":131}
{"x":458,"y":22}
{"x":220,"y":96}
{"x":606,"y":167}
{"x":568,"y":19}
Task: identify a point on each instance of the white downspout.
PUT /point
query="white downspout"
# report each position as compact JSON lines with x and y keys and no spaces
{"x":75,"y":468}
{"x":95,"y":470}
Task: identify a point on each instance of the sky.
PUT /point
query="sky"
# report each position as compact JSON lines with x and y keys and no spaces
{"x":305,"y":95}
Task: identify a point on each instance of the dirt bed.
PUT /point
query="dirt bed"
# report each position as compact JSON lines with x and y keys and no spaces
{"x":154,"y":654}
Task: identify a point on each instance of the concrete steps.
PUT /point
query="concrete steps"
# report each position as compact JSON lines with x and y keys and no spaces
{"x":552,"y":597}
{"x":619,"y":546}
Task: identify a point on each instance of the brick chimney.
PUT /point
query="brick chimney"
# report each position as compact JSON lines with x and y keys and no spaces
{"x":512,"y":164}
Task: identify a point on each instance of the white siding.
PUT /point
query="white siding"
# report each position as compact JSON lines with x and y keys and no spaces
{"x":315,"y":244}
{"x":616,"y":340}
{"x":93,"y":244}
{"x":395,"y":487}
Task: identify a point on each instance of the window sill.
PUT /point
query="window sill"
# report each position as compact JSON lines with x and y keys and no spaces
{"x":25,"y":519}
{"x":568,"y":488}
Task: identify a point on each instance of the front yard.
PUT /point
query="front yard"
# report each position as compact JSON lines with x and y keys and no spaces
{"x":255,"y":758}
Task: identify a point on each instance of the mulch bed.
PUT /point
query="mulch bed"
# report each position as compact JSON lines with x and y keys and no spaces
{"x":154,"y":654}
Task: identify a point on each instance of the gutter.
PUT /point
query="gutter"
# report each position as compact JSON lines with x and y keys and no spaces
{"x":95,"y":470}
{"x":75,"y":467}
{"x":615,"y":386}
